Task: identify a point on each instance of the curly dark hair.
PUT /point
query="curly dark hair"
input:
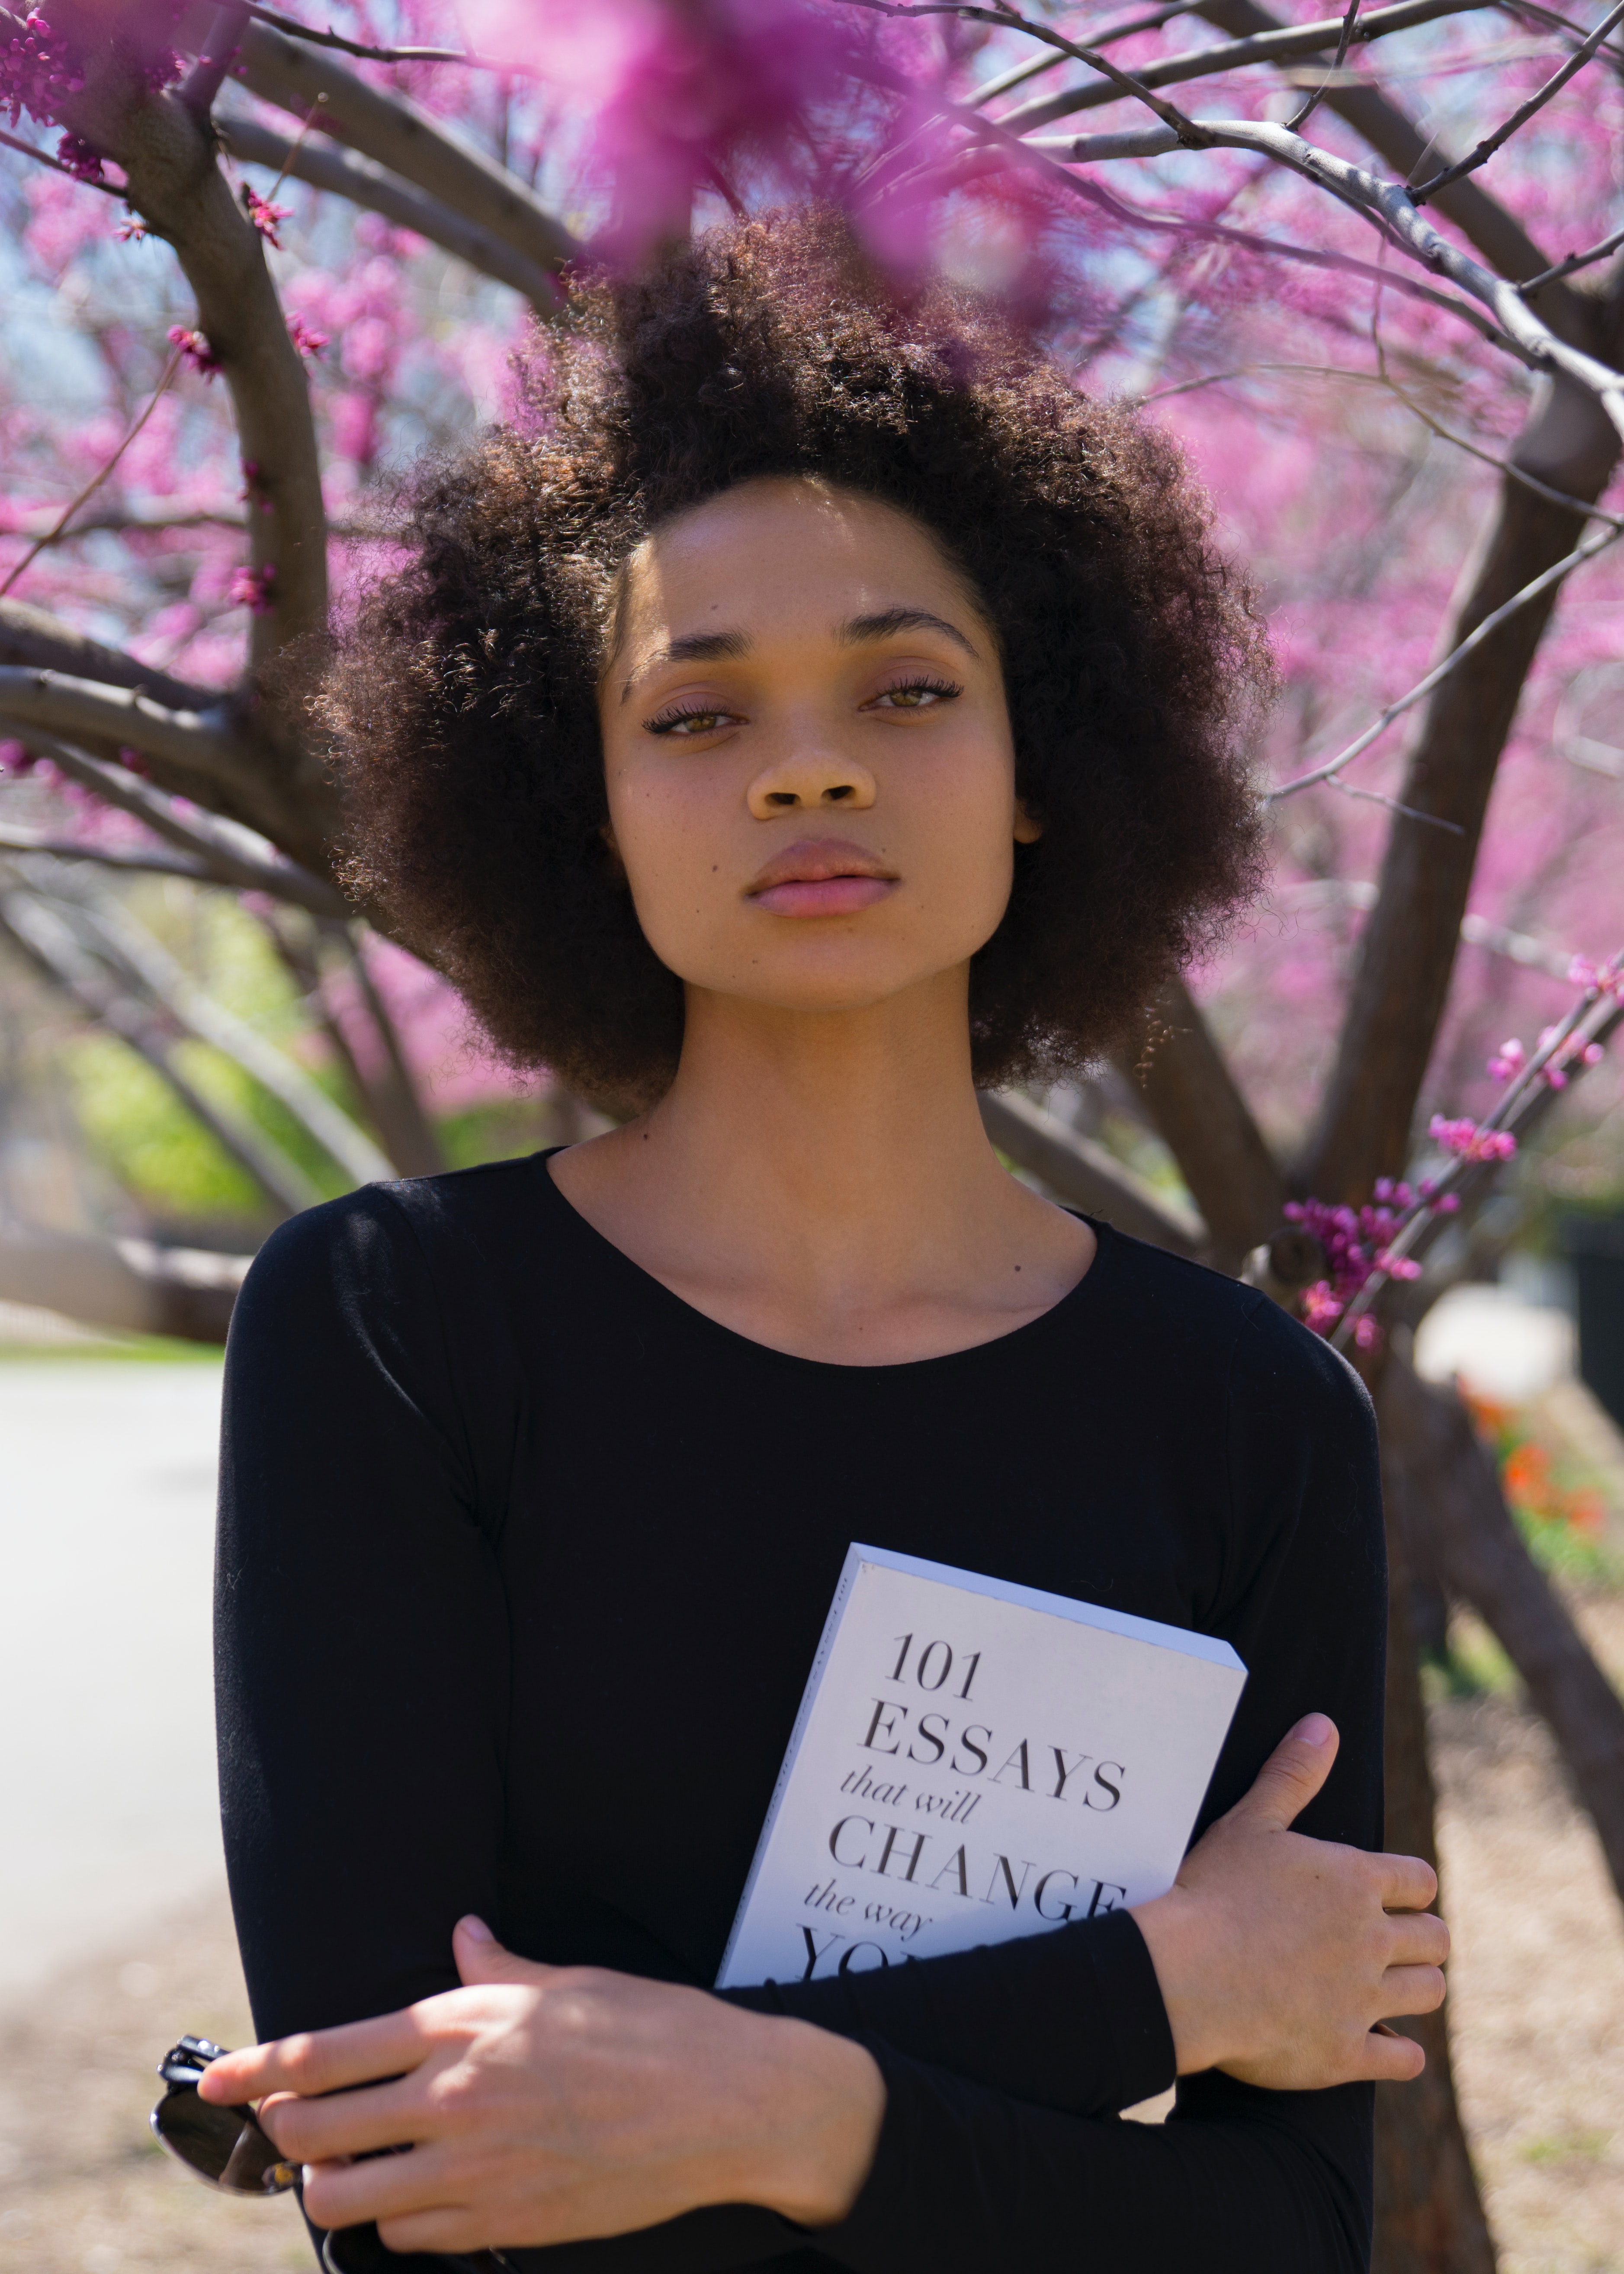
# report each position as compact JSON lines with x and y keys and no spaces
{"x":462,"y":699}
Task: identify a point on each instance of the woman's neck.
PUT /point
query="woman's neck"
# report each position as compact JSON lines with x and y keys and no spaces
{"x":820,"y":1182}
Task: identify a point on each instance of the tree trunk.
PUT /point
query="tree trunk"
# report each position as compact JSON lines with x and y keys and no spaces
{"x":1429,"y":2216}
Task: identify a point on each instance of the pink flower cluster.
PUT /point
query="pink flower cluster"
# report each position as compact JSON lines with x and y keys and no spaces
{"x":1606,"y":978}
{"x":36,"y":71}
{"x":263,"y":214}
{"x":195,"y":350}
{"x":305,"y":336}
{"x":82,"y":159}
{"x":253,"y":588}
{"x":1357,"y":1242}
{"x":1471,"y":1143}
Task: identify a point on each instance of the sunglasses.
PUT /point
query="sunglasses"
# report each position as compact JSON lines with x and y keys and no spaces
{"x":227,"y":2147}
{"x":224,"y":2146}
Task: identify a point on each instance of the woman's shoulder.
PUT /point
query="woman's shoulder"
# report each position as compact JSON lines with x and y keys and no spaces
{"x":1268,"y":1358}
{"x":385,"y":1244}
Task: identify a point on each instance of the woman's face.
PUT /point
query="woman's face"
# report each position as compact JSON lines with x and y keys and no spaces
{"x":810,"y":773}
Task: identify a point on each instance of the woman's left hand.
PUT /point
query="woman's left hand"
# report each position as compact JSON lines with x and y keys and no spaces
{"x":547,"y":2103}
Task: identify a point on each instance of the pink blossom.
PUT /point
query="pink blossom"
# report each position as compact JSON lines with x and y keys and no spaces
{"x":305,"y":336}
{"x":195,"y":350}
{"x":36,"y":71}
{"x":1508,"y":1060}
{"x":1366,"y":1333}
{"x":1464,"y":1138}
{"x":1320,"y":1308}
{"x":252,"y":588}
{"x":82,"y":159}
{"x":263,"y":214}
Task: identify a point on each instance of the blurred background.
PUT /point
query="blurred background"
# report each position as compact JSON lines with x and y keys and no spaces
{"x":252,"y":263}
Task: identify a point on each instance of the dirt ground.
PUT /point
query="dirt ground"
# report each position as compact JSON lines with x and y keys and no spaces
{"x":1538,"y":1999}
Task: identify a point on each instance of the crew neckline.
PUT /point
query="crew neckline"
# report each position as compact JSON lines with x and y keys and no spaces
{"x":1107,"y":1244}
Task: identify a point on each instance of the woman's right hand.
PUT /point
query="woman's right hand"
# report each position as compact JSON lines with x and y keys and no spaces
{"x":1278,"y":1954}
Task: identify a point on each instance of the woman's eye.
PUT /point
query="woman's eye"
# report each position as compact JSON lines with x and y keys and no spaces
{"x":688,"y":723}
{"x":915,"y":695}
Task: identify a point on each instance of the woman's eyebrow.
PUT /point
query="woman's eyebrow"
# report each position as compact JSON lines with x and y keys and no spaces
{"x":888,"y":622}
{"x":692,"y":647}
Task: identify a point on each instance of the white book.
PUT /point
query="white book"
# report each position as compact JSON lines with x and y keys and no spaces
{"x":974,"y":1760}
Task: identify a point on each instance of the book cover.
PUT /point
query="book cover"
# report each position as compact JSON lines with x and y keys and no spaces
{"x":973,"y":1760}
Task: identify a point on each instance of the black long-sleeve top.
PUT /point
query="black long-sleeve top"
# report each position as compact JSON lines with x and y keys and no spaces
{"x":522,"y":1562}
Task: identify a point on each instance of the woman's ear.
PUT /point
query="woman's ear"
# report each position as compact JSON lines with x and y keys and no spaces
{"x":1027,"y":832}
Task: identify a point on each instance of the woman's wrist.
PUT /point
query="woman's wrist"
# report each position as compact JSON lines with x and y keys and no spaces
{"x":822,"y":2106}
{"x":1179,"y":1936}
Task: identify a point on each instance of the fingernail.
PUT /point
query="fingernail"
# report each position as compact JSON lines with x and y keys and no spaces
{"x":1315,"y":1729}
{"x":475,"y":1928}
{"x":307,"y":2172}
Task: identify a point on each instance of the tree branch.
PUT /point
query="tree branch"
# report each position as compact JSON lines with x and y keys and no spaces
{"x":1407,"y":950}
{"x":37,"y":928}
{"x":1085,"y":1174}
{"x":30,"y":636}
{"x":399,"y":136}
{"x":325,"y":166}
{"x":1200,"y":1115}
{"x":222,"y":852}
{"x":144,"y":861}
{"x":1521,"y":115}
{"x":174,"y":182}
{"x":202,"y":742}
{"x":1470,"y":1535}
{"x":132,"y":946}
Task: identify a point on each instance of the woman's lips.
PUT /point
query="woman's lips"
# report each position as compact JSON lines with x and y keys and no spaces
{"x":823,"y":896}
{"x":821,"y":877}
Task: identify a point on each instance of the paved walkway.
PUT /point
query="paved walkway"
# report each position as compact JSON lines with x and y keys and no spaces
{"x":107,"y":1773}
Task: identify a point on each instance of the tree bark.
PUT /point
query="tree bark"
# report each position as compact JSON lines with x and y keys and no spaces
{"x":1456,"y":1517}
{"x":1200,"y":1115}
{"x":1429,"y":2216}
{"x":1407,"y":953}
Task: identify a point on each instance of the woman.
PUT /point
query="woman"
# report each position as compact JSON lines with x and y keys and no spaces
{"x":819,"y":710}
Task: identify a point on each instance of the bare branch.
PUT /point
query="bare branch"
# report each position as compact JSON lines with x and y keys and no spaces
{"x":1474,"y":640}
{"x":157,"y":523}
{"x":1085,"y":1174}
{"x":1520,"y":118}
{"x":20,"y":568}
{"x":227,"y":853}
{"x":1481,"y":1558}
{"x":1300,"y":118}
{"x":1203,"y":1118}
{"x":1282,"y":44}
{"x":220,"y":50}
{"x":175,"y":182}
{"x":1574,"y":260}
{"x":326,"y":167}
{"x":1044,"y":153}
{"x":396,"y":134}
{"x":131,"y":946}
{"x":277,"y":22}
{"x":145,"y":860}
{"x":203,"y":742}
{"x":1498,"y":236}
{"x":39,"y":929}
{"x":45,"y":158}
{"x":33,"y":636}
{"x":1389,"y":205}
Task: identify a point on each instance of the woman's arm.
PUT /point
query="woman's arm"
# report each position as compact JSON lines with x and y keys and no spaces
{"x":346,"y":1907}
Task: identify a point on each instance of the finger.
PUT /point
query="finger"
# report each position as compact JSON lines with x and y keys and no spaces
{"x":1292,"y":1774}
{"x":1417,"y":1938}
{"x":1385,"y":2056}
{"x":1407,"y":1883}
{"x":1413,"y":1989}
{"x":345,"y":2123}
{"x":318,"y":2060}
{"x":384,"y":2187}
{"x":481,"y":1958}
{"x":454,"y":2232}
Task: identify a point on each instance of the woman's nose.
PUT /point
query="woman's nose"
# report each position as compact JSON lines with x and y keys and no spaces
{"x":797,"y":783}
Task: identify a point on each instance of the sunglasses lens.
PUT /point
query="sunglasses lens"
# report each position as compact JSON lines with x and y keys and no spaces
{"x":224,"y":2145}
